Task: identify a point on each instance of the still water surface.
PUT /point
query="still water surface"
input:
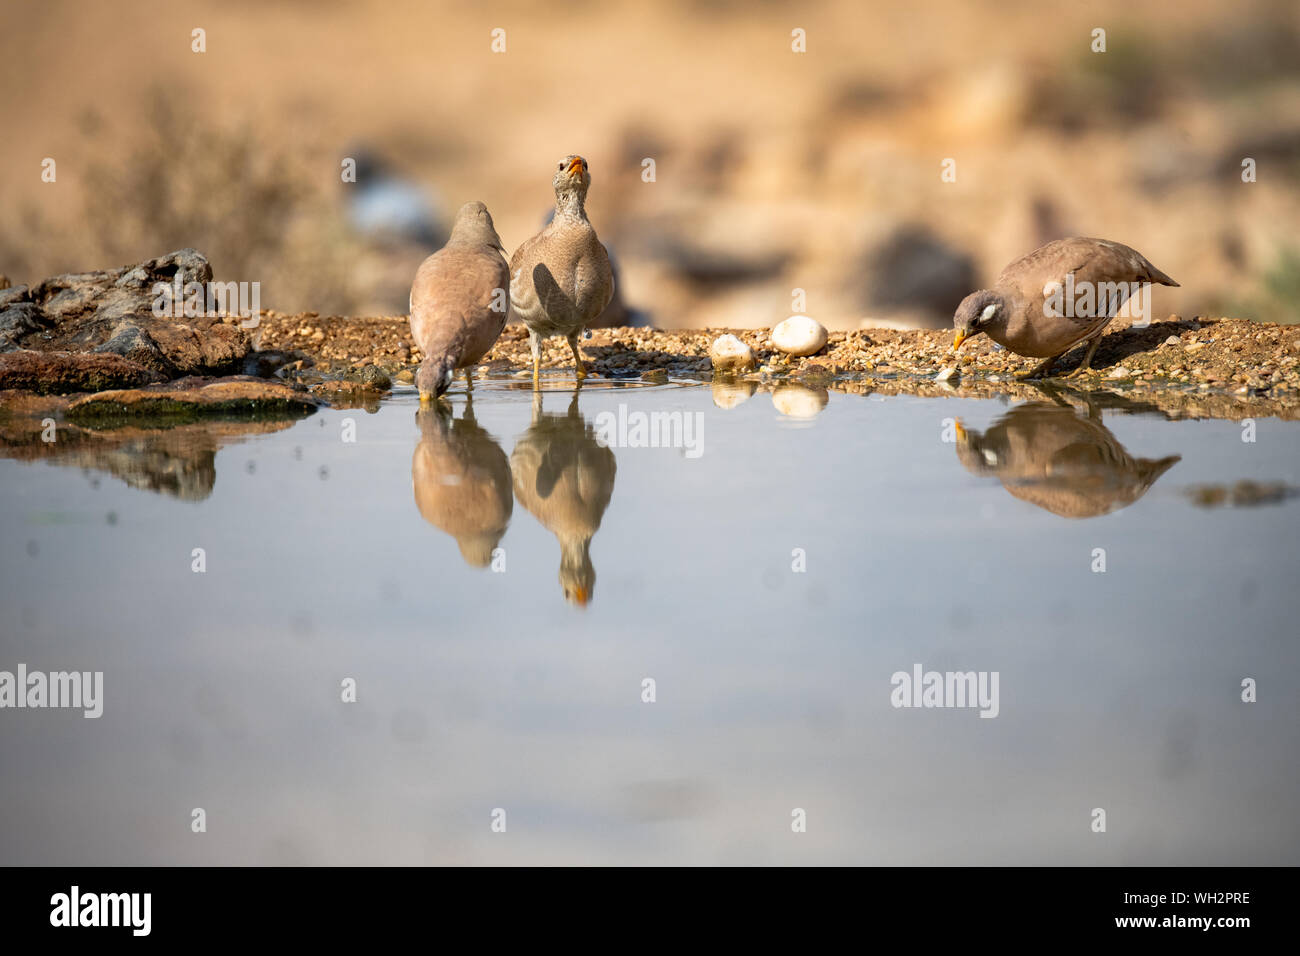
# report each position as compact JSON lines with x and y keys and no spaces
{"x":500,"y":585}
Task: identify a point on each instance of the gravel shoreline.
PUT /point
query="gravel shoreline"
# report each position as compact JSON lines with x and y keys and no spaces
{"x":1193,"y":368}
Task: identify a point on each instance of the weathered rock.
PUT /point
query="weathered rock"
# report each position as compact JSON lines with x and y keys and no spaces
{"x":799,"y":335}
{"x":729,"y":354}
{"x":135,"y":344}
{"x":58,"y":373}
{"x":112,"y":313}
{"x":17,"y":322}
{"x":371,"y":376}
{"x":191,"y":399}
{"x":10,"y":295}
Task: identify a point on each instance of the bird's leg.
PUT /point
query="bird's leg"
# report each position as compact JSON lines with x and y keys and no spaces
{"x":469,"y":380}
{"x":1087,"y":358}
{"x":1039,"y":370}
{"x":577,"y":356}
{"x":535,"y":343}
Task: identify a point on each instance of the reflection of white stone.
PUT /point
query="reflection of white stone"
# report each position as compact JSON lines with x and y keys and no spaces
{"x":728,"y":395}
{"x":799,"y":401}
{"x":799,"y":335}
{"x":729,"y":354}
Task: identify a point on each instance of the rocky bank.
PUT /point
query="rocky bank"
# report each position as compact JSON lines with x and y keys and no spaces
{"x":90,"y":347}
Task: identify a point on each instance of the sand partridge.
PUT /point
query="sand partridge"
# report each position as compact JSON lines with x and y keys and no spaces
{"x":459,"y":301}
{"x":1054,"y":298}
{"x":560,"y":280}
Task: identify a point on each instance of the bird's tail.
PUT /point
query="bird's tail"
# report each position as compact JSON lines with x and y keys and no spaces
{"x":1158,"y":277}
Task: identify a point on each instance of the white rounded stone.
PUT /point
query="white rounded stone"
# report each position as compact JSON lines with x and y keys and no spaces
{"x":729,"y":354}
{"x":799,"y":335}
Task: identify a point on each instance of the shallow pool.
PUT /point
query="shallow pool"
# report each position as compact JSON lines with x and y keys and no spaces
{"x":651,"y":625}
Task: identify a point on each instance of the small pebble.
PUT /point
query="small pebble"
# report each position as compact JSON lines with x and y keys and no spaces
{"x":1119,"y":371}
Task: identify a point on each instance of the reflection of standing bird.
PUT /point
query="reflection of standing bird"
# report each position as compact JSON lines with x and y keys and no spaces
{"x":1047,"y":455}
{"x":565,"y":478}
{"x":461,"y":480}
{"x":560,"y":280}
{"x":459,"y":301}
{"x":1018,"y":314}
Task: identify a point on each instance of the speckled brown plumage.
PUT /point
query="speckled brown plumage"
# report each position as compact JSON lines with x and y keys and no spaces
{"x":560,"y":279}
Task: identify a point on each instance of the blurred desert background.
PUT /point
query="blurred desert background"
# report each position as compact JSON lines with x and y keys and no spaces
{"x":774,"y":170}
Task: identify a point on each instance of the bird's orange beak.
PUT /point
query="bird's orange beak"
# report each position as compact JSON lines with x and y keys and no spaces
{"x":575,"y":165}
{"x":958,"y":339}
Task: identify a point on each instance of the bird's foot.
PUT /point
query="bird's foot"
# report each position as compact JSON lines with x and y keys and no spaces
{"x":1038,"y":371}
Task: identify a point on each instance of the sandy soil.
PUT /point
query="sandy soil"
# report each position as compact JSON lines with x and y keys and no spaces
{"x":1198,"y":367}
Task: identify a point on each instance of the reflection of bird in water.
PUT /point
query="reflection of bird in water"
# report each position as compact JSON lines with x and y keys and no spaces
{"x":1051,"y":457}
{"x":565,"y":478}
{"x":461,"y":480}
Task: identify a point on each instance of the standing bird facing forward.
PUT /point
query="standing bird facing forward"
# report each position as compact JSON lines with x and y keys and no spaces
{"x":459,"y":301}
{"x":1056,"y":297}
{"x":560,"y":280}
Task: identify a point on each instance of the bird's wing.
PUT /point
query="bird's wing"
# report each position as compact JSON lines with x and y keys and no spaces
{"x":454,"y":290}
{"x":1111,"y":269}
{"x":524,"y":301}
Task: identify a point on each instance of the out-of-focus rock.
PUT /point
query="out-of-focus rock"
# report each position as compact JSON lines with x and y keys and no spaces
{"x":915,"y":272}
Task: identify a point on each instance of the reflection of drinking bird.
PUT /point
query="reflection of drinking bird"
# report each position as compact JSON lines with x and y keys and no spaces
{"x":461,"y":480}
{"x":565,"y":478}
{"x":1049,"y":456}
